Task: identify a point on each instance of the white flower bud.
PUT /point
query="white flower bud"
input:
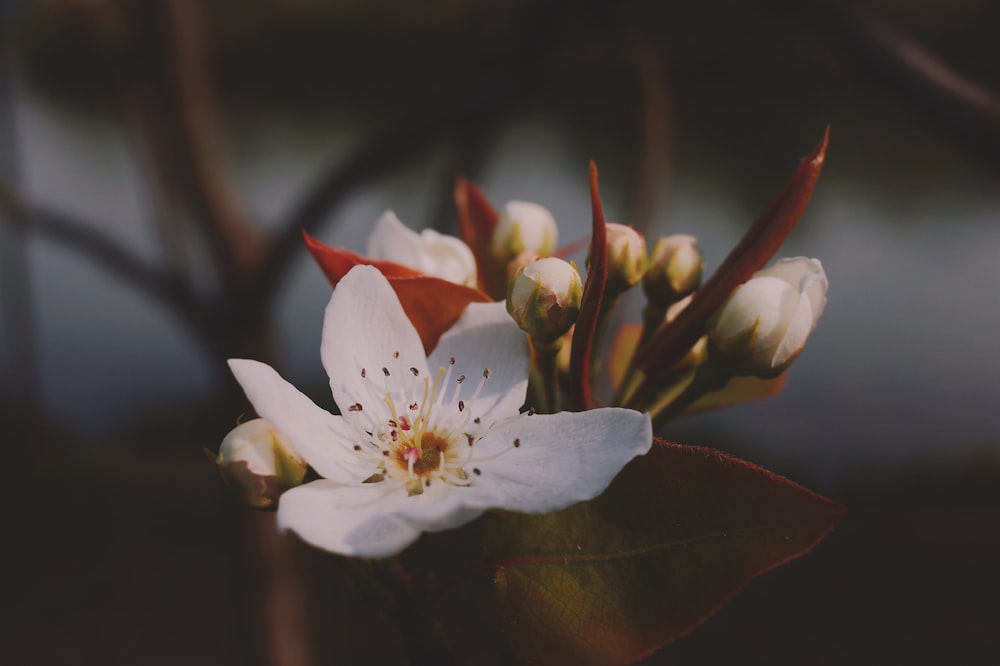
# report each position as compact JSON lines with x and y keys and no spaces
{"x":626,"y":257}
{"x":259,"y":463}
{"x":674,"y":271}
{"x":544,"y":298}
{"x":764,"y":324}
{"x":523,"y":227}
{"x":429,"y":252}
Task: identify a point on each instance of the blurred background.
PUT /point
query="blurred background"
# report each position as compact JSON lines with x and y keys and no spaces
{"x":158,"y":159}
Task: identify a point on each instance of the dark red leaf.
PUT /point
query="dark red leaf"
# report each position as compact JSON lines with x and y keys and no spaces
{"x":433,"y":305}
{"x":476,"y":220}
{"x":757,"y":246}
{"x":676,"y":535}
{"x":593,"y":295}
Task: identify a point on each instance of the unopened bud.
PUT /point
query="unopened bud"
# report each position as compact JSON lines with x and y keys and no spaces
{"x":674,"y":271}
{"x":766,"y":321}
{"x":544,"y":298}
{"x":523,"y":227}
{"x":259,"y":463}
{"x":626,"y":257}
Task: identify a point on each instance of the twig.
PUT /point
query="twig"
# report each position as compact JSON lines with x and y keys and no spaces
{"x":164,"y":286}
{"x":238,"y":245}
{"x":965,"y":109}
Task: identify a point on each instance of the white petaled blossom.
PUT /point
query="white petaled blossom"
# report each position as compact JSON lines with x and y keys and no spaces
{"x":259,"y":463}
{"x":523,"y":226}
{"x":544,"y":298}
{"x":429,"y":252}
{"x":766,"y":321}
{"x":428,"y":443}
{"x":626,"y":256}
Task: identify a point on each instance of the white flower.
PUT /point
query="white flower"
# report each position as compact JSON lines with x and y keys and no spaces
{"x":544,"y":298}
{"x":523,"y":226}
{"x":429,"y":252}
{"x":259,"y":463}
{"x":626,"y":256}
{"x":427,"y":444}
{"x":764,"y":324}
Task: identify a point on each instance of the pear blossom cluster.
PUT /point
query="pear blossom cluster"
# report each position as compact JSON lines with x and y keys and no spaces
{"x":436,"y":384}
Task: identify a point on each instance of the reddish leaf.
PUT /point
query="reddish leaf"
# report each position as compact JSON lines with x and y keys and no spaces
{"x":677,"y":534}
{"x":757,"y":246}
{"x":593,"y":295}
{"x":433,"y":305}
{"x":476,"y":220}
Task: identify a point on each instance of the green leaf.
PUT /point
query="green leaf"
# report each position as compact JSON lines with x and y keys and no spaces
{"x":678,"y":533}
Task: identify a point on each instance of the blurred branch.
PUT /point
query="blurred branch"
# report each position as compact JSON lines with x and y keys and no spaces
{"x":965,"y":109}
{"x":655,"y":134}
{"x":384,"y":150}
{"x":237,"y":244}
{"x":163,"y":286}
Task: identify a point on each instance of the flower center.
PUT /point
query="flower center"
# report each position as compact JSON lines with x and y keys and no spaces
{"x":426,"y":436}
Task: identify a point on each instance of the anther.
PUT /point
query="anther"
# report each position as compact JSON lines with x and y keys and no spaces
{"x":357,"y":447}
{"x":427,"y":483}
{"x":461,"y":405}
{"x":413,"y":406}
{"x":517,"y":442}
{"x":414,"y":371}
{"x":475,"y":470}
{"x":460,"y":379}
{"x":356,"y":407}
{"x":486,"y":373}
{"x":470,"y":438}
{"x":476,"y":420}
{"x":395,"y":354}
{"x":451,"y":361}
{"x":531,"y":411}
{"x":362,"y":373}
{"x":385,"y":371}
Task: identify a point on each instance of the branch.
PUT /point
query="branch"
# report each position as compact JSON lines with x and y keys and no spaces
{"x":382,"y":151}
{"x":965,"y":109}
{"x":164,"y":286}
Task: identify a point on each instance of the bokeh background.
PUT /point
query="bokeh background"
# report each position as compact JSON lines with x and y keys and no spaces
{"x":158,"y":158}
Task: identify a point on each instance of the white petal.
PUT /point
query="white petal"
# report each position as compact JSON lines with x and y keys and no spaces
{"x":392,"y":240}
{"x":324,"y":440}
{"x":561,"y":458}
{"x":359,"y":521}
{"x":796,"y":334}
{"x":363,"y":330}
{"x":486,"y":337}
{"x":447,"y":257}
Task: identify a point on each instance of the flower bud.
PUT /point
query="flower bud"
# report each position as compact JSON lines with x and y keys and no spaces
{"x":259,"y":463}
{"x":764,"y":324}
{"x":544,"y":298}
{"x":626,"y":257}
{"x":674,"y":271}
{"x":429,"y":252}
{"x":523,"y":227}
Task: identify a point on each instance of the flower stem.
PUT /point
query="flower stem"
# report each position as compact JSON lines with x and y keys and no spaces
{"x":707,"y":378}
{"x":548,"y":372}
